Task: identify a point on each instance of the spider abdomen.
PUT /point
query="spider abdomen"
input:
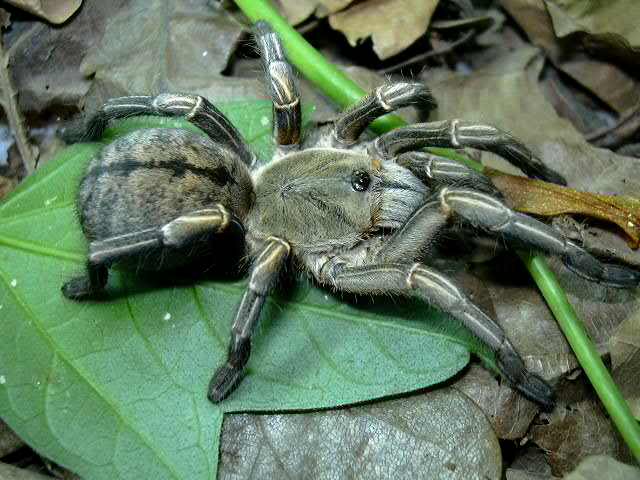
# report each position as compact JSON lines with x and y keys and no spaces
{"x":149,"y":177}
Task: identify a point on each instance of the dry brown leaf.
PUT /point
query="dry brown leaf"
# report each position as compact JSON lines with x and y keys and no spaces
{"x":599,"y":467}
{"x":45,"y":59}
{"x":297,"y":11}
{"x":393,"y":25}
{"x":438,"y":434}
{"x":607,"y":81}
{"x":575,"y":431}
{"x":509,"y":412}
{"x":624,"y":346}
{"x":8,"y":472}
{"x":54,"y":11}
{"x":9,"y":441}
{"x":611,"y":24}
{"x":546,"y":199}
{"x":530,"y":464}
{"x":153,"y":46}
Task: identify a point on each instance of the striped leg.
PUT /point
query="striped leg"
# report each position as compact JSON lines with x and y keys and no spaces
{"x":436,"y":289}
{"x":264,"y":274}
{"x":196,"y":109}
{"x":440,"y":172}
{"x":176,"y":234}
{"x":459,"y":134}
{"x":487,"y":213}
{"x":282,"y":85}
{"x":384,"y":99}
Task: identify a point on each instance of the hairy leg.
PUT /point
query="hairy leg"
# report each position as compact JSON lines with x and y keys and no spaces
{"x":459,"y":134}
{"x":264,"y":273}
{"x":196,"y":109}
{"x":440,"y":172}
{"x":176,"y":234}
{"x":282,"y":85}
{"x":436,"y":289}
{"x":485,"y":212}
{"x":384,"y":99}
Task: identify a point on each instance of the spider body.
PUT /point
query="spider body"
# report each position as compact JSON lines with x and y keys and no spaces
{"x":326,"y":199}
{"x":360,"y":216}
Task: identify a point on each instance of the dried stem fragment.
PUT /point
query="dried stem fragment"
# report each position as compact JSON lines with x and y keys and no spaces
{"x":9,"y":102}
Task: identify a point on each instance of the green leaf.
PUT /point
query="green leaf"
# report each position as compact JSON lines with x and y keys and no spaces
{"x":116,"y":389}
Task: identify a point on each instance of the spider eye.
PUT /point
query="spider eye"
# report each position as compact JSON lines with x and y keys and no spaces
{"x":360,"y":180}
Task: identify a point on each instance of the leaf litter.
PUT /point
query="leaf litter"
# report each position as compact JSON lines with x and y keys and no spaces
{"x":105,"y":63}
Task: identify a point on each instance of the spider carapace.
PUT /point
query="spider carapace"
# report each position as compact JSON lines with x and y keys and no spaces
{"x":358,"y":215}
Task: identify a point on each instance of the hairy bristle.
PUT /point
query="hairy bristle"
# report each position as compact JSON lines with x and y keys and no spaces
{"x":401,"y":193}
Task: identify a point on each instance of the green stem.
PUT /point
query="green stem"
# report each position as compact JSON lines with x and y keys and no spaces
{"x":345,"y":92}
{"x":585,"y":352}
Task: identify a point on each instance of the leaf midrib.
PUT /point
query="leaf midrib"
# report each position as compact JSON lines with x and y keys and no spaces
{"x":302,"y":306}
{"x":57,"y":351}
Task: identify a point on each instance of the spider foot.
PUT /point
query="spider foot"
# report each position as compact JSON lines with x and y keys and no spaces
{"x":224,"y":382}
{"x":530,"y":385}
{"x":536,"y":389}
{"x":80,"y":288}
{"x":587,"y":266}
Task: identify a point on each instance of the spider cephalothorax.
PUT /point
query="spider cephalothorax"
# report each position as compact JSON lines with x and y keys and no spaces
{"x":360,"y":216}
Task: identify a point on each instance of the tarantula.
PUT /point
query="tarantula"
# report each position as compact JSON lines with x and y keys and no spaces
{"x":359,"y":216}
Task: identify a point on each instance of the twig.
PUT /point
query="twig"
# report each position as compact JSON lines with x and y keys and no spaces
{"x":9,"y":102}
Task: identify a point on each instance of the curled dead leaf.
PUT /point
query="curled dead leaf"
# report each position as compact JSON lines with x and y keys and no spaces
{"x":545,"y":199}
{"x":393,"y":25}
{"x":549,"y":26}
{"x":54,"y":11}
{"x":297,"y":11}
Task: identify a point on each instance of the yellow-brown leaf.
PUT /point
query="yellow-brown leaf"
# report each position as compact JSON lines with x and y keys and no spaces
{"x":546,"y":199}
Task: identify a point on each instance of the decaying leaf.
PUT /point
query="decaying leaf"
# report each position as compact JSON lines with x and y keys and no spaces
{"x":600,"y":75}
{"x":546,"y":199}
{"x":8,"y":472}
{"x":54,"y":11}
{"x":575,"y":431}
{"x":527,"y":321}
{"x":529,"y":464}
{"x":9,"y":441}
{"x":393,"y":25}
{"x":297,"y":11}
{"x":599,"y":467}
{"x":45,"y":60}
{"x":574,"y":103}
{"x":510,"y":413}
{"x":610,"y":27}
{"x":625,"y":360}
{"x":162,"y":46}
{"x":439,"y":434}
